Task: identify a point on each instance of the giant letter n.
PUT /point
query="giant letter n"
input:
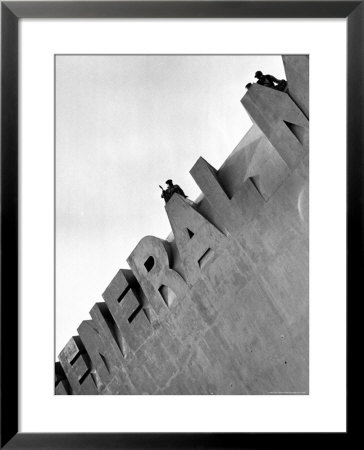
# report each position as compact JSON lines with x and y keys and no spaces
{"x":281,"y":120}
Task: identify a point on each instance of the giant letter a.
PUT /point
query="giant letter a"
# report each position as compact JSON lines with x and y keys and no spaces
{"x":198,"y":241}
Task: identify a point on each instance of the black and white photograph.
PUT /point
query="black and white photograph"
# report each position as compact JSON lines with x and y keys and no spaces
{"x":181,"y":224}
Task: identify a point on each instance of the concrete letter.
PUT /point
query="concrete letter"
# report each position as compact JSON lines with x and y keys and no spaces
{"x":121,"y":296}
{"x":255,"y":159}
{"x":197,"y":239}
{"x":102,"y":344}
{"x":297,"y":73}
{"x":76,"y":365}
{"x":206,"y":178}
{"x":280,"y":119}
{"x":150,"y":264}
{"x":62,"y":386}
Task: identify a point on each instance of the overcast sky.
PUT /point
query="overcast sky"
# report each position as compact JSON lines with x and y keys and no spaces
{"x":124,"y":125}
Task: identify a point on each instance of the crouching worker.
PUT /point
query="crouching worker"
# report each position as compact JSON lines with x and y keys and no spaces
{"x":171,"y":189}
{"x":270,"y":81}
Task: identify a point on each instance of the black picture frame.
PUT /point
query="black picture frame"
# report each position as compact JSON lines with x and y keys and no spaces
{"x":11,"y":12}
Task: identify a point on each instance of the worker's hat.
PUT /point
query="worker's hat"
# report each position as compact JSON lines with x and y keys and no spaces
{"x":169,"y":181}
{"x":258,"y":73}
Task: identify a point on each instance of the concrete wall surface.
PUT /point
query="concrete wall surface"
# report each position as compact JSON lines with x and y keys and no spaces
{"x":221,"y":306}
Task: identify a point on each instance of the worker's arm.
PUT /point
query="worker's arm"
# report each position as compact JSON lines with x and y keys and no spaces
{"x":178,"y":190}
{"x":272,"y":79}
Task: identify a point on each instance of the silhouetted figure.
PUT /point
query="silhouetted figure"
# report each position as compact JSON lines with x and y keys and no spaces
{"x":171,"y":189}
{"x":269,"y":81}
{"x":266,"y":80}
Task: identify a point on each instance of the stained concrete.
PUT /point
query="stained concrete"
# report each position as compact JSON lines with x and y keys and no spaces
{"x":297,"y":73}
{"x":281,"y":121}
{"x":221,"y":307}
